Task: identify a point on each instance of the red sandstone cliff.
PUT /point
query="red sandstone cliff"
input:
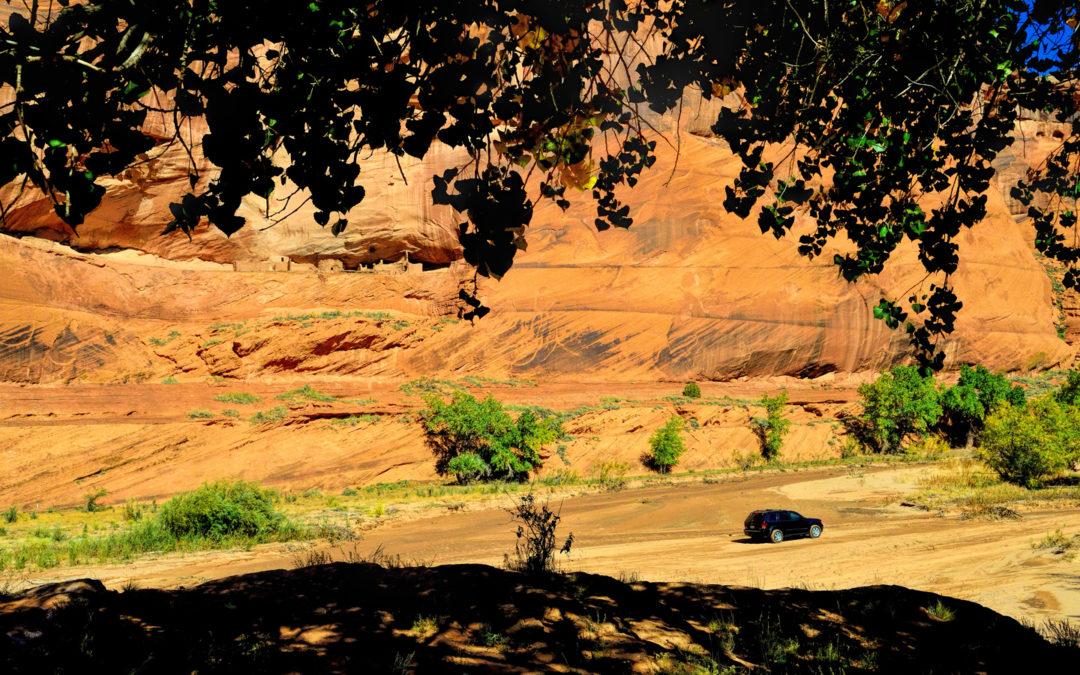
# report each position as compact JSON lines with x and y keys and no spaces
{"x":688,"y":291}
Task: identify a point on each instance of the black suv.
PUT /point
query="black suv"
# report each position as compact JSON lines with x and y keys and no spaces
{"x":777,"y":525}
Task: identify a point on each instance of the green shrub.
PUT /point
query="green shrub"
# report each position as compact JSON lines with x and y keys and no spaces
{"x":133,"y":510}
{"x":941,"y":611}
{"x":237,"y":397}
{"x":90,"y":500}
{"x":200,"y":414}
{"x":899,"y":404}
{"x":1069,"y":393}
{"x":966,"y":404}
{"x":305,"y":393}
{"x":160,"y":342}
{"x":221,"y":509}
{"x":611,"y":475}
{"x":353,"y":420}
{"x":467,"y":467}
{"x":11,"y":514}
{"x":169,"y":380}
{"x":507,"y":449}
{"x":772,"y":428}
{"x":666,"y":446}
{"x":1026,"y":445}
{"x":691,"y":390}
{"x":275,"y":414}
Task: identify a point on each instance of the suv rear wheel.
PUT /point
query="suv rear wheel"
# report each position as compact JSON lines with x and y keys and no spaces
{"x":777,"y":536}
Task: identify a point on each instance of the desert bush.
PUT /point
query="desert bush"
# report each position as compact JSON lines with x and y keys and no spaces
{"x":467,"y":467}
{"x":1069,"y":392}
{"x":424,"y":625}
{"x":200,"y":414}
{"x":611,"y":475}
{"x":966,"y":404}
{"x":1062,"y":633}
{"x":941,"y":611}
{"x":275,"y":414}
{"x":772,"y":428}
{"x":90,"y":500}
{"x":237,"y":397}
{"x":691,"y":390}
{"x":852,"y":446}
{"x":745,"y":462}
{"x":1056,"y":541}
{"x":305,"y":393}
{"x":11,"y":514}
{"x":1030,"y":444}
{"x":312,"y":558}
{"x":900,"y":404}
{"x":133,"y":510}
{"x":666,"y":446}
{"x":221,"y":509}
{"x":478,"y":440}
{"x":930,"y":447}
{"x":534,"y":551}
{"x":561,"y":477}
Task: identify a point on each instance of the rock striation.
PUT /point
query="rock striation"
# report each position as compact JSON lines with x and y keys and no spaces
{"x":689,"y":291}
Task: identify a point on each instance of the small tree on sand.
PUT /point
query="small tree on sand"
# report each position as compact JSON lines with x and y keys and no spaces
{"x":478,"y":440}
{"x":667,"y":445}
{"x":1026,"y":445}
{"x":772,"y":428}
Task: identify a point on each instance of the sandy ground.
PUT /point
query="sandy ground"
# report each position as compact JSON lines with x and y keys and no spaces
{"x":692,"y":532}
{"x":138,"y":441}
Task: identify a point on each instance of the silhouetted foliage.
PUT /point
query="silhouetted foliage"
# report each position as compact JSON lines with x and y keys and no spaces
{"x":899,"y":104}
{"x":366,"y":617}
{"x":534,"y":552}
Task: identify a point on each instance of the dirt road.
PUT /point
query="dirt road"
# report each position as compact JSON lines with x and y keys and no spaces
{"x":693,"y":533}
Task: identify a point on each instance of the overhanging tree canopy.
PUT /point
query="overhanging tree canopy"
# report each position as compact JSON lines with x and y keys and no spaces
{"x":888,"y":113}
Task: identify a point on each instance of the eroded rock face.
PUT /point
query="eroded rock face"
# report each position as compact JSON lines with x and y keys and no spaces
{"x":689,"y":291}
{"x":396,"y":219}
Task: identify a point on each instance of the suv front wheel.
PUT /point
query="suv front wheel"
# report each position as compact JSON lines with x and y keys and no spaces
{"x":777,"y":536}
{"x":815,"y":531}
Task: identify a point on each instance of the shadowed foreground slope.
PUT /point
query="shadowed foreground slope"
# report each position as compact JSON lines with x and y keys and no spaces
{"x":472,"y":618}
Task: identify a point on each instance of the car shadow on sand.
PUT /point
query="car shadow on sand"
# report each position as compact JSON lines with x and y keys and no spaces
{"x":750,"y":540}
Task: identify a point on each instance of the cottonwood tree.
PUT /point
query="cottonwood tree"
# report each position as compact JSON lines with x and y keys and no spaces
{"x":878,"y":120}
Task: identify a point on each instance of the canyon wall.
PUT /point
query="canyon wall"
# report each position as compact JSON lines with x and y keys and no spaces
{"x":689,"y":291}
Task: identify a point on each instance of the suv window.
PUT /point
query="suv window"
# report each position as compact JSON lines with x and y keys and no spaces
{"x":791,"y":515}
